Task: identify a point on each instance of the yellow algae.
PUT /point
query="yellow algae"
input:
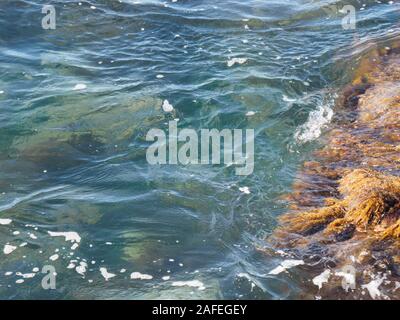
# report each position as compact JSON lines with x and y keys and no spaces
{"x":369,"y":199}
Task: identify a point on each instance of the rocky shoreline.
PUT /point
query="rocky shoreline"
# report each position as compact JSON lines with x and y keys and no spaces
{"x":345,"y":205}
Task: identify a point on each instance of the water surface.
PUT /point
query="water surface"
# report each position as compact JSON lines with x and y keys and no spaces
{"x":76,"y":160}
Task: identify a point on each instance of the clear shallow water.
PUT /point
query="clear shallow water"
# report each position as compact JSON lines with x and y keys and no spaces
{"x":75,"y":160}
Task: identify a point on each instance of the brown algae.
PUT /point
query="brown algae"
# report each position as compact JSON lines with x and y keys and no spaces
{"x":347,"y":201}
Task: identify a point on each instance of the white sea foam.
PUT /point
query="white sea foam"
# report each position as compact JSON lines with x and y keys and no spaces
{"x":140,"y":276}
{"x":287,"y":99}
{"x":193,"y":283}
{"x":373,"y":287}
{"x":244,"y":190}
{"x":5,"y":221}
{"x":54,"y":257}
{"x":234,"y":61}
{"x":8,"y":249}
{"x":317,"y":121}
{"x":285,"y":265}
{"x":322,"y":278}
{"x":106,"y":275}
{"x":32,"y":236}
{"x":80,"y":86}
{"x":25,"y":275}
{"x":69,"y":236}
{"x":167,"y":107}
{"x":81,"y":269}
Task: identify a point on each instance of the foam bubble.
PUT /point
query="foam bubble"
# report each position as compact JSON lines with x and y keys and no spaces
{"x":322,"y":278}
{"x":140,"y":276}
{"x":106,"y":275}
{"x":5,"y":221}
{"x":317,"y":120}
{"x":192,"y":283}
{"x":234,"y":61}
{"x":167,"y":107}
{"x":69,"y":236}
{"x":8,"y":249}
{"x":80,"y":86}
{"x":285,"y":265}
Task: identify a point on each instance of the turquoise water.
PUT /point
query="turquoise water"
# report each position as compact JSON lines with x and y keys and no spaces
{"x":75,"y":160}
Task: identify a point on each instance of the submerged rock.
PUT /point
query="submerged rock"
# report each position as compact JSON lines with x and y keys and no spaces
{"x":71,"y":129}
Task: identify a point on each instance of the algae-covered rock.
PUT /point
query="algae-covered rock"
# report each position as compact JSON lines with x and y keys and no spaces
{"x":347,"y":200}
{"x":370,"y":203}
